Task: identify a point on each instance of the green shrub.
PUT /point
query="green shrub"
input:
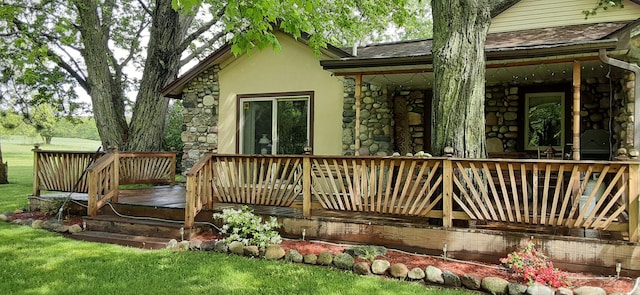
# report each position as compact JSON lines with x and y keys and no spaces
{"x":245,"y":227}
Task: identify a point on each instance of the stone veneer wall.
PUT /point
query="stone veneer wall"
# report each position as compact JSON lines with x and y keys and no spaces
{"x":501,"y":118}
{"x":200,"y":129}
{"x":624,"y":113}
{"x":376,"y":120}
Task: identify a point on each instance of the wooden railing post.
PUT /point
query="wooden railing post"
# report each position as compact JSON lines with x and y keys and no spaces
{"x":447,"y":193}
{"x":36,"y":167}
{"x":306,"y":186}
{"x":92,"y":198}
{"x":189,"y":209}
{"x":633,"y":205}
{"x":116,"y":173}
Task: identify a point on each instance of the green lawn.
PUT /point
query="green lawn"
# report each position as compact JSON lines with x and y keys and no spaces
{"x":39,"y":262}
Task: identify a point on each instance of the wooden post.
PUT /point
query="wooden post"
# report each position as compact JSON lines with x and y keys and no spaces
{"x":36,"y":179}
{"x":633,"y":205}
{"x":447,"y":193}
{"x":576,"y":110}
{"x":306,"y":186}
{"x":189,"y":208}
{"x":116,"y":174}
{"x":358,"y":105}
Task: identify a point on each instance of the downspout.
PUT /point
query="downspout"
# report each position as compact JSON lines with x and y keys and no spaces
{"x":636,"y":91}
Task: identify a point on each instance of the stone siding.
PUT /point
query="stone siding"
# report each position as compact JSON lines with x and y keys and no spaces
{"x":623,"y":113}
{"x":200,"y":129}
{"x":376,"y":120}
{"x":502,"y":104}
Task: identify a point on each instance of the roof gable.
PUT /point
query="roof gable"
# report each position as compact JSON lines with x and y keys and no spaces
{"x":536,"y":14}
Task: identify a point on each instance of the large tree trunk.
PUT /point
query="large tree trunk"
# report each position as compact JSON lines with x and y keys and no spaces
{"x":3,"y":170}
{"x":460,"y":30}
{"x":163,"y":59}
{"x":105,"y":91}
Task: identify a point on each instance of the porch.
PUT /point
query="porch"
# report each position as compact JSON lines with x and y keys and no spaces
{"x":584,"y":213}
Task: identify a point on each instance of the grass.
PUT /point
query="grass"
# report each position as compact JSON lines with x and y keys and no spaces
{"x":39,"y":262}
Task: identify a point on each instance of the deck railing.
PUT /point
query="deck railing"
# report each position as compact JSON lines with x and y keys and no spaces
{"x":574,"y":194}
{"x":61,"y":170}
{"x":103,"y":182}
{"x":147,"y":168}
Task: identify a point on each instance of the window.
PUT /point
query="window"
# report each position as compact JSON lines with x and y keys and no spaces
{"x":278,"y":124}
{"x":544,"y":120}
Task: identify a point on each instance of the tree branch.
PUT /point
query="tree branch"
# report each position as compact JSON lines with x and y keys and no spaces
{"x":205,"y":27}
{"x":201,"y":49}
{"x":146,"y":9}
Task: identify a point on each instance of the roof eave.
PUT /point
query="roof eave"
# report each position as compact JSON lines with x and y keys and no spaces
{"x":492,"y":54}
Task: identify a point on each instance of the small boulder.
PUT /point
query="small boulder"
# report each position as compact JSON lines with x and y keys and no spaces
{"x":294,"y":256}
{"x":183,"y":246}
{"x":172,"y":244}
{"x":61,"y":228}
{"x":399,"y":271}
{"x":416,"y":274}
{"x":380,"y":266}
{"x":343,"y":261}
{"x":433,"y":275}
{"x":220,"y":246}
{"x":274,"y":252}
{"x":516,"y":289}
{"x":311,"y":259}
{"x":236,"y":247}
{"x":470,"y":282}
{"x":207,"y":245}
{"x":251,"y":251}
{"x":195,"y":245}
{"x":17,"y":221}
{"x":451,"y":279}
{"x":539,"y":289}
{"x":37,"y":224}
{"x":325,"y":258}
{"x":567,"y":291}
{"x":584,"y":290}
{"x":3,"y":217}
{"x":18,"y":211}
{"x":362,"y":268}
{"x":495,"y":285}
{"x":27,"y":222}
{"x":74,"y":229}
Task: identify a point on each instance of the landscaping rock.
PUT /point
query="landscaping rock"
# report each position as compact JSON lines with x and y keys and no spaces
{"x":325,"y":258}
{"x":516,"y":289}
{"x":172,"y":244}
{"x":3,"y":217}
{"x":399,"y":271}
{"x":344,"y":261}
{"x":207,"y":245}
{"x":584,"y":290}
{"x":27,"y":222}
{"x":251,"y":251}
{"x":236,"y":247}
{"x":380,"y":266}
{"x":311,"y":259}
{"x":433,"y":275}
{"x":470,"y":282}
{"x":221,"y":246}
{"x":362,"y":268}
{"x":567,"y":291}
{"x":495,"y":285}
{"x":17,"y":221}
{"x":366,"y":251}
{"x":18,"y":211}
{"x":416,"y":274}
{"x":183,"y":246}
{"x":74,"y":229}
{"x":61,"y":228}
{"x":195,"y":245}
{"x":539,"y":289}
{"x":451,"y":279}
{"x":274,"y":252}
{"x":294,"y":256}
{"x":37,"y":224}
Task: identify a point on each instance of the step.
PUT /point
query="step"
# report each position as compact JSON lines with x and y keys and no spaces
{"x":121,"y":239}
{"x":139,"y":227}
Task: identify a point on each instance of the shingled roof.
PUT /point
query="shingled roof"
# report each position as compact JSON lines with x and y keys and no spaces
{"x":596,"y":35}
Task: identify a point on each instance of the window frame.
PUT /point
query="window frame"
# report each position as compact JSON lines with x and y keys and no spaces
{"x":533,"y":95}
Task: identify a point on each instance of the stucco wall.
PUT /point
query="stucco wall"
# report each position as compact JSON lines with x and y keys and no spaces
{"x":294,"y":68}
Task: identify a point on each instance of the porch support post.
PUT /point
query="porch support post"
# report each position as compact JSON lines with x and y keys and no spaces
{"x":358,"y":105}
{"x":116,"y":174}
{"x":447,"y":193}
{"x":306,"y":186}
{"x":633,"y":206}
{"x":36,"y":167}
{"x":576,"y":110}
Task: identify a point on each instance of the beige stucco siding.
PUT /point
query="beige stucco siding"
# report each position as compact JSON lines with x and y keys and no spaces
{"x":294,"y":68}
{"x":533,"y":14}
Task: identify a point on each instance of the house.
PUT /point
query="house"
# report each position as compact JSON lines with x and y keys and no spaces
{"x":237,"y":104}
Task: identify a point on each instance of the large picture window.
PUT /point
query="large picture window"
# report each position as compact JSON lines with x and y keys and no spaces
{"x":275,"y":124}
{"x":544,"y":120}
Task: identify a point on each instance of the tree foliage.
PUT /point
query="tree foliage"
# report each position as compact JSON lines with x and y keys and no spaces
{"x":58,"y":45}
{"x":602,"y":5}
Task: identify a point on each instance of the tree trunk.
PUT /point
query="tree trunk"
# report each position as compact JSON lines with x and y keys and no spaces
{"x":161,"y":66}
{"x":4,"y":179}
{"x":402,"y":134}
{"x":460,"y":30}
{"x":105,"y":91}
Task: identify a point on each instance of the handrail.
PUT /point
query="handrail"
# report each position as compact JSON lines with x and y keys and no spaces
{"x":147,"y":167}
{"x":199,"y":189}
{"x":103,"y":182}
